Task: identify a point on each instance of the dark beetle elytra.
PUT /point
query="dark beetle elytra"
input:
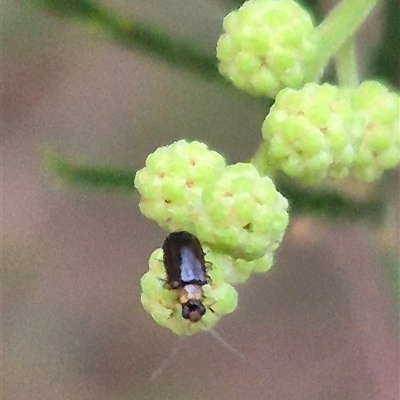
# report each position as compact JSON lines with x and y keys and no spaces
{"x":186,"y":273}
{"x":184,"y":260}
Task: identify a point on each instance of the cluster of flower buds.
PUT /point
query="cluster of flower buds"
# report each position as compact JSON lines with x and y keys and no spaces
{"x":226,"y":221}
{"x":313,"y":132}
{"x":236,"y":214}
{"x":267,"y":45}
{"x":324,"y":131}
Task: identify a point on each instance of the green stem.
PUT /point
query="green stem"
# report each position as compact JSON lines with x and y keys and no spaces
{"x":346,"y":65}
{"x":259,"y":158}
{"x":340,"y":24}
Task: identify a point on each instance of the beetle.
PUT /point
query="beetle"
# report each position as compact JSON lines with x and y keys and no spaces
{"x":185,"y":266}
{"x":186,"y":272}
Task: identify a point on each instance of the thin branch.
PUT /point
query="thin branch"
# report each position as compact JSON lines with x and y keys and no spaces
{"x":137,"y":35}
{"x":338,"y":26}
{"x":346,"y":64}
{"x":302,"y":200}
{"x":328,"y":202}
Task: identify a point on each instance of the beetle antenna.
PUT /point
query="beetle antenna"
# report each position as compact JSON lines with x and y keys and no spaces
{"x":167,"y":361}
{"x":234,"y":351}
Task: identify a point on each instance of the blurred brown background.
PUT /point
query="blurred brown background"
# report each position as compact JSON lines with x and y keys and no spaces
{"x":321,"y":325}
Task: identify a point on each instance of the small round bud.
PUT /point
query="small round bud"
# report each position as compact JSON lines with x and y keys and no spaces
{"x":310,"y":134}
{"x":379,"y":110}
{"x":243,"y":214}
{"x":224,"y":298}
{"x":172,"y":182}
{"x":259,"y":266}
{"x":232,"y":271}
{"x":236,"y":271}
{"x":267,"y":45}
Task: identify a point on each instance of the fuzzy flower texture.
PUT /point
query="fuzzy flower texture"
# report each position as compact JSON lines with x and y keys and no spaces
{"x":313,"y":131}
{"x":267,"y":45}
{"x":238,"y":216}
{"x":324,"y":131}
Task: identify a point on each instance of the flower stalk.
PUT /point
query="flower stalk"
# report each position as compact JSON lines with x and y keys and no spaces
{"x":340,"y":24}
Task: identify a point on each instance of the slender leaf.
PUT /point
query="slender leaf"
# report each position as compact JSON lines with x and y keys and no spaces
{"x":88,"y":175}
{"x":137,"y":35}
